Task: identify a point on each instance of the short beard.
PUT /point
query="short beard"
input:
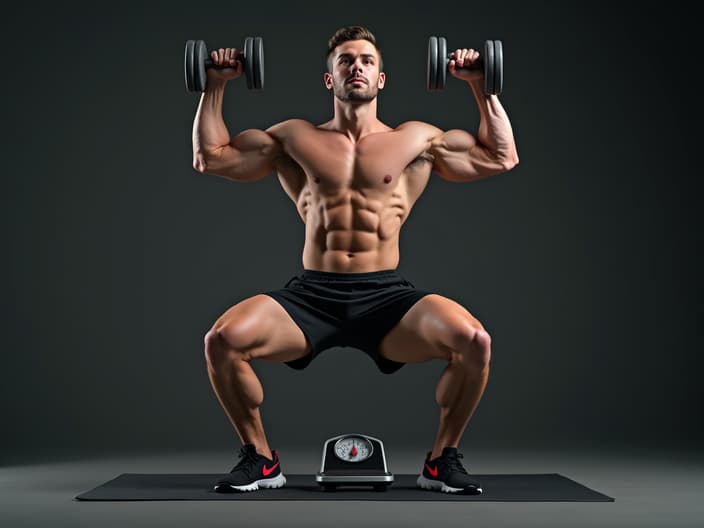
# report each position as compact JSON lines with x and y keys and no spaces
{"x":355,"y":97}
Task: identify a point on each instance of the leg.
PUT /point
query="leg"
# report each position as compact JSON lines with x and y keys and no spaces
{"x":439,"y":328}
{"x":256,"y":328}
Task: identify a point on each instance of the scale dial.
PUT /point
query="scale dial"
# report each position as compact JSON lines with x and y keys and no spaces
{"x":353,"y":448}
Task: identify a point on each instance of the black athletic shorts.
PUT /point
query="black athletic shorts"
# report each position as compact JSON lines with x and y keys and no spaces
{"x":347,"y":309}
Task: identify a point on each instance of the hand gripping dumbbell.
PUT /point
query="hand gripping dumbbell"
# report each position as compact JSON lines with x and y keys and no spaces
{"x":196,"y":60}
{"x":492,"y":62}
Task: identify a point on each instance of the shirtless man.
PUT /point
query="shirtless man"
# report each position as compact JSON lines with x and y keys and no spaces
{"x":354,"y":181}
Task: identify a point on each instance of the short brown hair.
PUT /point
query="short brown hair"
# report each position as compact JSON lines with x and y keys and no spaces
{"x":351,"y":33}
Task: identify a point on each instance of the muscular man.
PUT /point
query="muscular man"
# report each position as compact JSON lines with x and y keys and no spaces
{"x":354,"y":181}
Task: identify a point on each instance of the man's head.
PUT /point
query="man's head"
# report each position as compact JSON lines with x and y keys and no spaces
{"x":353,"y":54}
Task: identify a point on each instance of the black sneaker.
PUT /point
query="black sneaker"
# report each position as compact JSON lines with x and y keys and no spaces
{"x":445,"y":473}
{"x":254,"y":471}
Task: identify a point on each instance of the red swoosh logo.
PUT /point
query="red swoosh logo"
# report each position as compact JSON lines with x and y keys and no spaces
{"x":267,"y":471}
{"x":433,"y":472}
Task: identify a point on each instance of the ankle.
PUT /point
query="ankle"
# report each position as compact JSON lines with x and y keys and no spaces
{"x":265,"y":452}
{"x":437,"y":451}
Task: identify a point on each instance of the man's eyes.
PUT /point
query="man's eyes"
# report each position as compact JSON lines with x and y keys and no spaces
{"x":369,"y":61}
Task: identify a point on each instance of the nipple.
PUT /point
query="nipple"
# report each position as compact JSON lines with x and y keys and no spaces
{"x":387,"y":179}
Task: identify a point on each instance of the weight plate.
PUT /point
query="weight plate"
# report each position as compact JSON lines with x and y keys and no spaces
{"x":442,"y":63}
{"x":489,"y":67}
{"x":188,"y":65}
{"x":199,"y":56}
{"x":432,"y":67}
{"x":258,"y":62}
{"x":248,"y":69}
{"x":498,"y":67}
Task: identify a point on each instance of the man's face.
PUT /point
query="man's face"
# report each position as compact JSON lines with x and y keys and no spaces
{"x":355,"y":75}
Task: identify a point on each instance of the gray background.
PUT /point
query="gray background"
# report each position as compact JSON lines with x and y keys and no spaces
{"x":582,"y":262}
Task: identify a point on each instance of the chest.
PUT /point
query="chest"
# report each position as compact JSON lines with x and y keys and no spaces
{"x":376,"y":162}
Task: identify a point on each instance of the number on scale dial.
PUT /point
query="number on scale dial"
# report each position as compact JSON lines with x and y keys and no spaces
{"x":353,"y":448}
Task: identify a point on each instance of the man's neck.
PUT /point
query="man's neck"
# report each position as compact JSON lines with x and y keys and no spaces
{"x":355,"y":120}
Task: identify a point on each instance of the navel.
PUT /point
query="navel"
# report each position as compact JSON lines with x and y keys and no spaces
{"x":316,"y":179}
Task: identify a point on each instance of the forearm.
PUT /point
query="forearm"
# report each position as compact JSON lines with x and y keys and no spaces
{"x":209,"y":131}
{"x":495,"y":134}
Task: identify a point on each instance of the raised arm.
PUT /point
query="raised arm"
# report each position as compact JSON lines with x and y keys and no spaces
{"x":461,"y":157}
{"x":251,"y":154}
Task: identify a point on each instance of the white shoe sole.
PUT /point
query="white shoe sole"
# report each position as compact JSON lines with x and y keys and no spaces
{"x":274,"y":482}
{"x":438,"y":485}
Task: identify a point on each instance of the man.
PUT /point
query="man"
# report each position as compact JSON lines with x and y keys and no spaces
{"x":354,"y":181}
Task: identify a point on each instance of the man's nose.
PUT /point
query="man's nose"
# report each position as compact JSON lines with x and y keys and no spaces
{"x":357,"y":66}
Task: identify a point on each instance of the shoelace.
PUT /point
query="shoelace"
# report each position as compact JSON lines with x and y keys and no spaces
{"x":454,"y":463}
{"x":249,"y":460}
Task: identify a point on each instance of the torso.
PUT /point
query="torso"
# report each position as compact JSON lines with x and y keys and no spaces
{"x":354,"y":197}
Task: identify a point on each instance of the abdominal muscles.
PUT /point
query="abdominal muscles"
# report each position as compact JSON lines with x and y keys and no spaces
{"x":352,"y":233}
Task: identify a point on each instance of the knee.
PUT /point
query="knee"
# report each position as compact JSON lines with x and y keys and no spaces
{"x":482,"y":348}
{"x":218,"y":349}
{"x":214,"y":348}
{"x":474,"y":347}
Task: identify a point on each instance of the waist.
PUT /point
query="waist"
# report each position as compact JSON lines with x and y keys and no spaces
{"x":355,"y":276}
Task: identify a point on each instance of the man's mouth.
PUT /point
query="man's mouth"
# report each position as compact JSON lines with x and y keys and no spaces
{"x":357,"y":80}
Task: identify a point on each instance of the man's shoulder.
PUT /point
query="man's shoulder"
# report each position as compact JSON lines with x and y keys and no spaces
{"x":419,"y":126}
{"x":288,"y":126}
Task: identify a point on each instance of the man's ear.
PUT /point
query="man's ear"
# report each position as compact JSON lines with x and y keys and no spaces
{"x":327,"y":79}
{"x":382,"y":80}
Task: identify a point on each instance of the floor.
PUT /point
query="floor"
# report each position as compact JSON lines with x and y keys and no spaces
{"x":652,"y":489}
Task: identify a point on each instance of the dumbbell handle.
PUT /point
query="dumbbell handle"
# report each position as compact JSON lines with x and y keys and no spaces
{"x":210,"y":64}
{"x":476,"y":65}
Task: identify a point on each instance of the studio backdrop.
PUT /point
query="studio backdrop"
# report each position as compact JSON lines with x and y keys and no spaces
{"x":582,"y":262}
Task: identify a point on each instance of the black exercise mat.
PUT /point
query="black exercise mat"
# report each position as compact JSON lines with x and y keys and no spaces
{"x":508,"y":488}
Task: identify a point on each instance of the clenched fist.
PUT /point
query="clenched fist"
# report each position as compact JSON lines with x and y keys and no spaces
{"x":227,"y":62}
{"x":460,"y":65}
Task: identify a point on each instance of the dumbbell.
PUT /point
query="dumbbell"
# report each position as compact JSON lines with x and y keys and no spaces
{"x":492,"y":62}
{"x":196,"y":60}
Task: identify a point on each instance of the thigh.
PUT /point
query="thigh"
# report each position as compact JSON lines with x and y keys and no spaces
{"x":433,"y":328}
{"x":260,"y":328}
